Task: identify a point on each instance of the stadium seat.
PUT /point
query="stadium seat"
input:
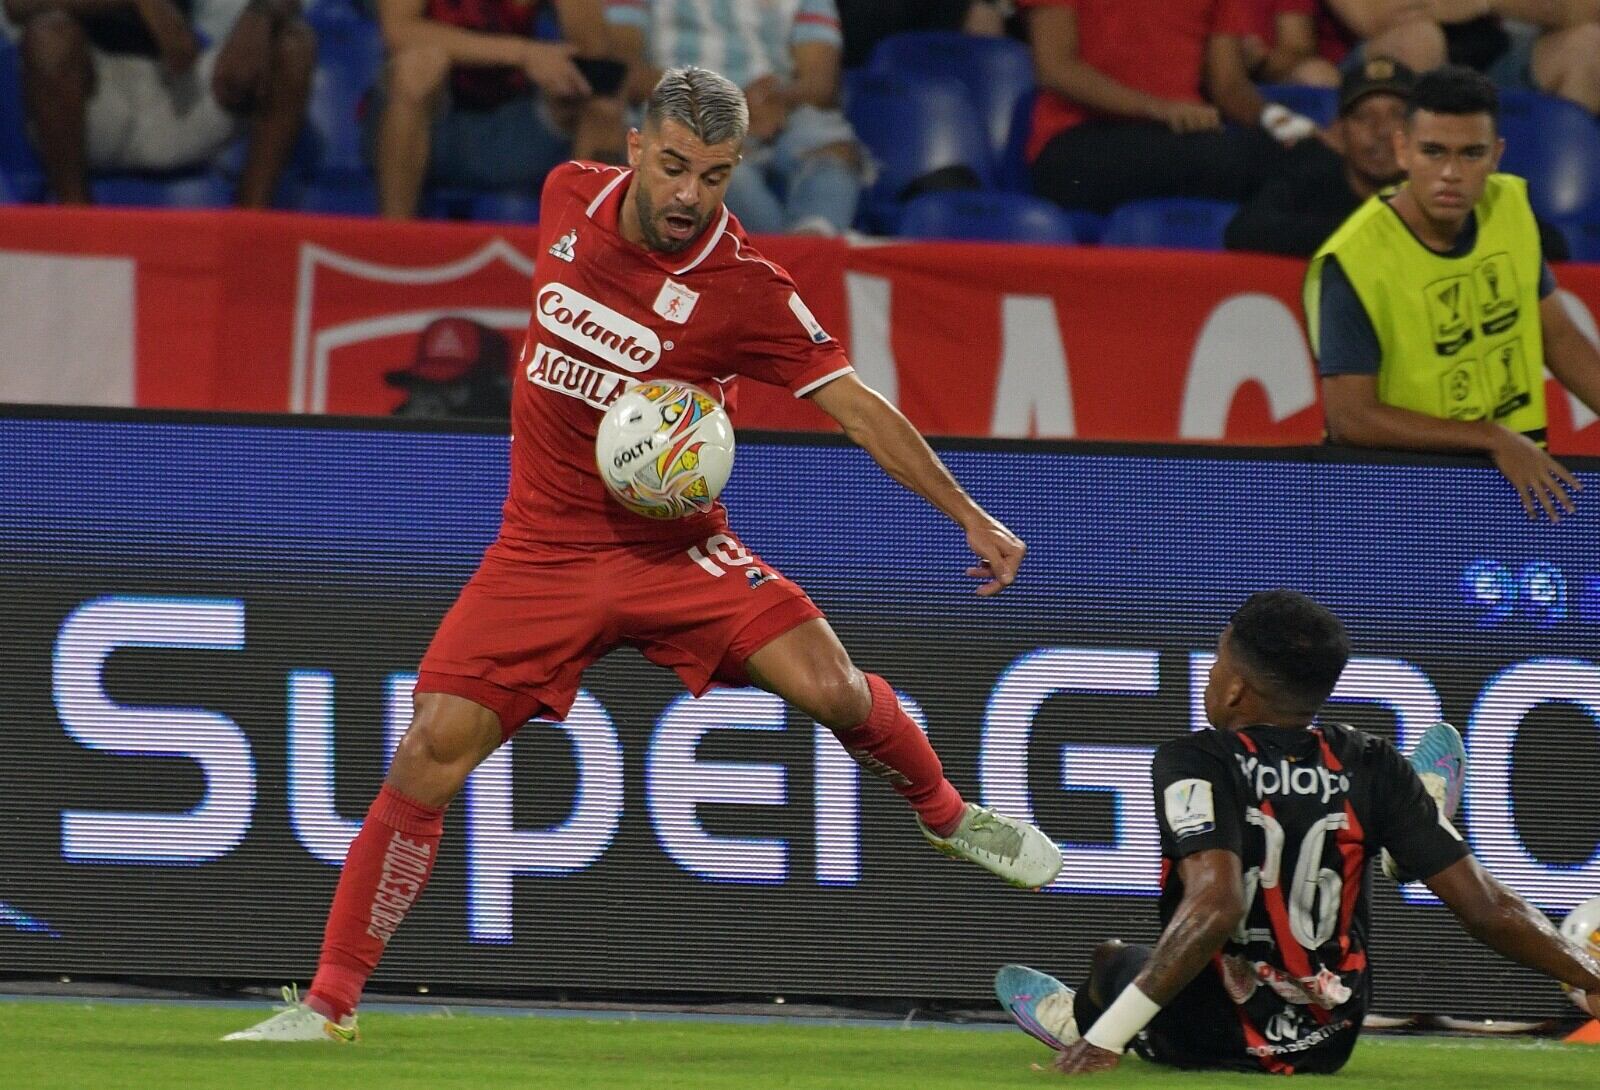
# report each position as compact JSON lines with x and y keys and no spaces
{"x":986,"y":216}
{"x":18,"y":164}
{"x":1583,"y":239}
{"x":511,"y":206}
{"x":914,"y":126}
{"x":192,"y":190}
{"x":1555,"y":145}
{"x":349,"y":59}
{"x":346,"y":195}
{"x":1320,"y":104}
{"x":1176,"y":223}
{"x":997,"y":72}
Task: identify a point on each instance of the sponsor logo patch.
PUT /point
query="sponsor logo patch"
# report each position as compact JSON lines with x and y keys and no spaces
{"x":807,"y":319}
{"x":565,"y":246}
{"x":595,"y":327}
{"x":562,"y":374}
{"x":1190,"y":809}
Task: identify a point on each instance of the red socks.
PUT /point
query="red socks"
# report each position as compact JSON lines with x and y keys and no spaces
{"x":384,"y":873}
{"x":891,"y":746}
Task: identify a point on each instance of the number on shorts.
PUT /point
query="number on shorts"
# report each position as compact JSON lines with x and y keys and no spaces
{"x":721,"y":552}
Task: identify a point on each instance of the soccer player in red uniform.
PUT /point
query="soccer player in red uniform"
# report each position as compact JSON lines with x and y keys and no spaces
{"x":646,"y":275}
{"x":1268,"y":825}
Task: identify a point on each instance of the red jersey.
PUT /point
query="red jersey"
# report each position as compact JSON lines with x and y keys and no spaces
{"x":1154,"y":46}
{"x":1262,"y":16}
{"x":608,"y":313}
{"x":1334,"y":39}
{"x":483,"y":87}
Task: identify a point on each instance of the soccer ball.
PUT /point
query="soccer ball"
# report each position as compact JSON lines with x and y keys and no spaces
{"x":665,"y":450}
{"x":1582,"y":926}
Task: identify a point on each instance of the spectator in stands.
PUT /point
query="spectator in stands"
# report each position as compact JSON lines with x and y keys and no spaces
{"x":865,"y":23}
{"x":1322,"y":181}
{"x":1544,"y":45}
{"x":1132,"y":99}
{"x":470,"y":98}
{"x":1432,"y":312}
{"x":802,"y":165}
{"x":1281,"y":44}
{"x":1540,"y":45}
{"x":128,"y":85}
{"x":1350,"y":31}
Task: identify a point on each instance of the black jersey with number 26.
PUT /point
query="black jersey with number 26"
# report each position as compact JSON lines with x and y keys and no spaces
{"x":1305,"y":810}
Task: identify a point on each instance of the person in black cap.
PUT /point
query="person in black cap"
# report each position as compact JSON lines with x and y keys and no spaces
{"x":1322,"y":181}
{"x":460,"y":370}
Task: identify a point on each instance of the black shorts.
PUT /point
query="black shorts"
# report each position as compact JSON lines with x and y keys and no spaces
{"x":1201,"y":1027}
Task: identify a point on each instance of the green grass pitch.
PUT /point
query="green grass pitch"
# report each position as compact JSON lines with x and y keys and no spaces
{"x":89,"y":1046}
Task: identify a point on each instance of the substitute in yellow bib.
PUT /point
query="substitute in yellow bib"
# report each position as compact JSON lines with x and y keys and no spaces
{"x":1432,"y":312}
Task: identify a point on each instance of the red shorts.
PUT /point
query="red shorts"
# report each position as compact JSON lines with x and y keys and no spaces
{"x":534,"y":617}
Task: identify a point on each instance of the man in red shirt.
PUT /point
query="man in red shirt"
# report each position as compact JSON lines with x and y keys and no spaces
{"x":470,"y":98}
{"x":1280,"y":45}
{"x":1132,"y":99}
{"x":574,"y":575}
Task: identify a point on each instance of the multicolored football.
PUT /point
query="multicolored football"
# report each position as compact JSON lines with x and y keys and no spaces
{"x":665,"y":449}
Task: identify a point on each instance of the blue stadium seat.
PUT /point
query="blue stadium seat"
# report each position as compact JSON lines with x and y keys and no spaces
{"x":1583,"y":239}
{"x":986,"y":215}
{"x":349,"y":60}
{"x":997,"y":72}
{"x":1176,"y":223}
{"x":345,"y":195}
{"x":196,"y":190}
{"x":1555,"y":145}
{"x":1320,"y":104}
{"x":914,"y":125}
{"x":511,"y":206}
{"x":18,"y":164}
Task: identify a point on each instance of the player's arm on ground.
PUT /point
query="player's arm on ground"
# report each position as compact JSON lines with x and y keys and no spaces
{"x":1201,"y":819}
{"x":1201,"y":822}
{"x":881,"y":430}
{"x":1497,"y":917}
{"x":1572,"y":359}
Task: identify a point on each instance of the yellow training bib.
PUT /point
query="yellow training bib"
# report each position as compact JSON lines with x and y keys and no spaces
{"x":1460,"y":336}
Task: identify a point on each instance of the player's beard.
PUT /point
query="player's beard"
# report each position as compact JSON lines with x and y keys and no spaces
{"x":650,"y":218}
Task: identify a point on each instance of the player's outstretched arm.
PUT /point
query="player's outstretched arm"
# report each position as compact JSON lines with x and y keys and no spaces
{"x":1212,"y":906}
{"x":1504,"y":922}
{"x":881,"y":430}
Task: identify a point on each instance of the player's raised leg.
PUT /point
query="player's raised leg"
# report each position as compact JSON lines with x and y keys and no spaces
{"x":810,"y":669}
{"x":388,"y":864}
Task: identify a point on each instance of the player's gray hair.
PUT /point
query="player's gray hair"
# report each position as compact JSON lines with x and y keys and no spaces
{"x":707,"y":104}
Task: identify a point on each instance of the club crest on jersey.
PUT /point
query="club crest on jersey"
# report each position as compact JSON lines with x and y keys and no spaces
{"x":595,"y":327}
{"x":807,"y":319}
{"x":565,"y":246}
{"x":675,"y":302}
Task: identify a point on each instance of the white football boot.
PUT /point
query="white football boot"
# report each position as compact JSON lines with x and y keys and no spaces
{"x":298,"y":1022}
{"x":1014,"y":850}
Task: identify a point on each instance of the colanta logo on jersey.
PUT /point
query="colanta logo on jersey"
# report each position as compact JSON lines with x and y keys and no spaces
{"x":615,"y":338}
